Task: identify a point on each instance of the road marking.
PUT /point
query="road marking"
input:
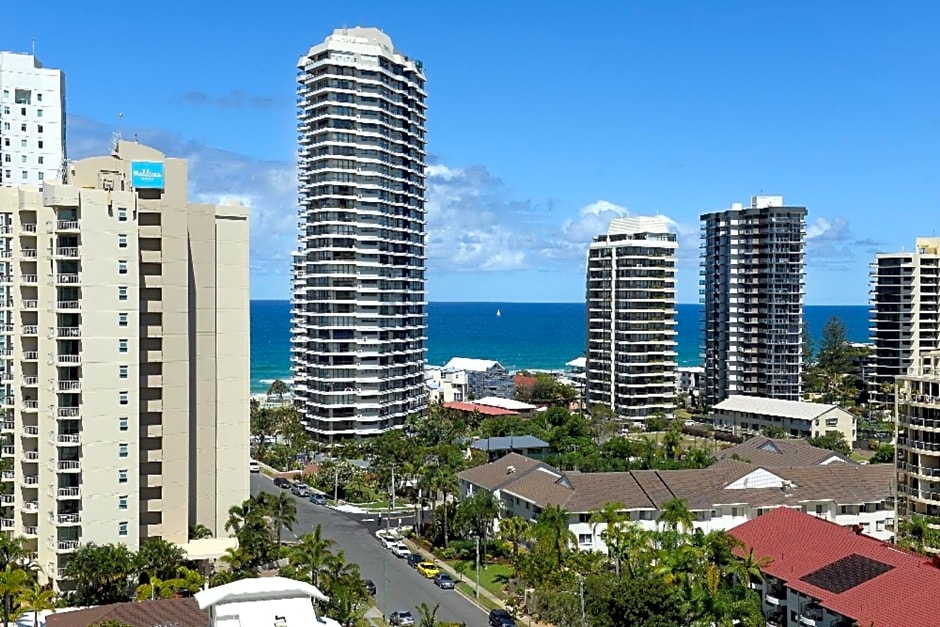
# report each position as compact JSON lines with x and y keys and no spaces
{"x":368,"y":520}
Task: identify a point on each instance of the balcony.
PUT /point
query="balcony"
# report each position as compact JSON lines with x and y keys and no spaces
{"x":30,"y":431}
{"x":60,"y":573}
{"x":31,"y":356}
{"x":69,"y":385}
{"x":30,"y":456}
{"x":30,"y":507}
{"x":68,"y":493}
{"x":8,"y":475}
{"x":68,"y":332}
{"x":67,"y":439}
{"x":30,"y":531}
{"x":68,"y":305}
{"x":811,"y":614}
{"x":30,"y":305}
{"x":67,"y":252}
{"x":8,"y":426}
{"x":7,"y":523}
{"x":30,"y":405}
{"x":8,"y":451}
{"x":30,"y":329}
{"x":69,"y":412}
{"x":67,"y":279}
{"x":68,"y":360}
{"x":7,"y":499}
{"x":29,"y":278}
{"x":66,"y":225}
{"x":28,"y":253}
{"x":66,"y":545}
{"x":30,"y":381}
{"x":31,"y":480}
{"x":70,"y":465}
{"x":28,"y":227}
{"x":67,"y":519}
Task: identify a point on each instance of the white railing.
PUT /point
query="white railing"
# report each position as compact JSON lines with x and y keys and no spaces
{"x":69,"y":465}
{"x":8,"y":450}
{"x":28,"y":278}
{"x":31,"y":456}
{"x":9,"y":425}
{"x":69,"y":385}
{"x":30,"y":380}
{"x":30,"y":530}
{"x":67,"y":438}
{"x":67,"y":545}
{"x":69,"y":331}
{"x":67,"y":492}
{"x":31,"y":506}
{"x":68,"y":412}
{"x":31,"y":355}
{"x":69,"y":359}
{"x":66,"y":225}
{"x":31,"y":430}
{"x":68,"y":304}
{"x":67,"y":251}
{"x":31,"y":479}
{"x":28,"y":253}
{"x":30,"y":304}
{"x":30,"y":329}
{"x":31,"y":404}
{"x":67,"y":278}
{"x":28,"y":227}
{"x":65,"y":519}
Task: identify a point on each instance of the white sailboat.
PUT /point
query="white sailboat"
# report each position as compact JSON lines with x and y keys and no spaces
{"x":498,"y":314}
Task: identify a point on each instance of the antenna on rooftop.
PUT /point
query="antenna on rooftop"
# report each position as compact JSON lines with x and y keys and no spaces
{"x":33,"y":42}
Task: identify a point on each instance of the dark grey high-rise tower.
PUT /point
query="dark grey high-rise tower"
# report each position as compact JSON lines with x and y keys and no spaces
{"x":752,"y":288}
{"x":358,"y":315}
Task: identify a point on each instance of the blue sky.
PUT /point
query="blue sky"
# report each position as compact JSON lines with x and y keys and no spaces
{"x":545,"y":121}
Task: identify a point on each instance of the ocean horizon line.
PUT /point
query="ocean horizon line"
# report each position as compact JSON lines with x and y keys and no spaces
{"x":543,"y":302}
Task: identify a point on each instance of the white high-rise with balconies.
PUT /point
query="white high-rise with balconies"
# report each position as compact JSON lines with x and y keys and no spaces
{"x":752,"y":288}
{"x":32,"y":121}
{"x":358,"y":315}
{"x":631,"y":303}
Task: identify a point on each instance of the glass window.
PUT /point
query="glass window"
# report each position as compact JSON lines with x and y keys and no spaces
{"x":122,"y":476}
{"x":122,"y":449}
{"x":122,"y":346}
{"x":122,"y":266}
{"x":41,"y":176}
{"x":122,"y":371}
{"x":38,"y":97}
{"x":123,"y":397}
{"x":122,"y":214}
{"x":122,"y":292}
{"x":122,"y":423}
{"x":122,"y":502}
{"x":39,"y":128}
{"x":122,"y":319}
{"x":42,"y":160}
{"x":39,"y":115}
{"x":122,"y":528}
{"x":122,"y":240}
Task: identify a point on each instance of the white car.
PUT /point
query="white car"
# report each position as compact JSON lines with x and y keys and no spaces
{"x":400,"y":549}
{"x":254,"y":466}
{"x":387,"y":539}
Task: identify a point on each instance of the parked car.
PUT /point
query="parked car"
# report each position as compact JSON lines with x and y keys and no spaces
{"x":501,"y":618}
{"x":401,"y":618}
{"x":300,"y":489}
{"x":400,"y":549}
{"x":254,"y":466}
{"x":414,"y":559}
{"x":370,"y":586}
{"x":317,"y":499}
{"x":444,"y":581}
{"x":428,"y":570}
{"x":388,"y":540}
{"x":281,"y":482}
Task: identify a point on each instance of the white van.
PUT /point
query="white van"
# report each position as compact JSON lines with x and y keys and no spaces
{"x":254,"y":466}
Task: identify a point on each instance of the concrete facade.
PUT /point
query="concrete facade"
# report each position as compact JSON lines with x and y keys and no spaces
{"x":32,"y":121}
{"x":631,"y":309}
{"x":125,"y":361}
{"x":359,"y":310}
{"x":752,"y":287}
{"x":750,"y":415}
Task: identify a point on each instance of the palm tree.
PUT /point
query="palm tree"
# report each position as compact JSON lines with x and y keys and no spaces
{"x":444,"y":481}
{"x":515,"y":530}
{"x":282,"y":511}
{"x":552,"y":526}
{"x":357,"y":486}
{"x":916,"y":533}
{"x":611,"y":517}
{"x":37,"y":599}
{"x":311,"y":555}
{"x":675,"y":515}
{"x":278,"y":389}
{"x":13,"y":582}
{"x":199,"y":532}
{"x":13,"y":552}
{"x":427,"y":615}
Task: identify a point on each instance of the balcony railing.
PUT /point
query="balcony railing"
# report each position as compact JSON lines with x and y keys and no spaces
{"x":28,"y":253}
{"x":70,"y":279}
{"x":66,"y":225}
{"x":8,"y":451}
{"x":30,"y":380}
{"x":30,"y":404}
{"x":67,"y":251}
{"x":29,"y":278}
{"x":30,"y":304}
{"x":69,"y":332}
{"x":9,"y":425}
{"x":31,"y":355}
{"x":69,"y":385}
{"x":8,"y":475}
{"x":31,"y":456}
{"x":68,"y":304}
{"x":31,"y":479}
{"x":69,"y":412}
{"x":30,"y":506}
{"x":69,"y":359}
{"x":64,"y":493}
{"x":67,"y":545}
{"x":68,"y":519}
{"x":30,"y":329}
{"x":7,"y":523}
{"x":67,"y":438}
{"x":28,"y":227}
{"x":31,"y":430}
{"x":69,"y":465}
{"x":30,"y":530}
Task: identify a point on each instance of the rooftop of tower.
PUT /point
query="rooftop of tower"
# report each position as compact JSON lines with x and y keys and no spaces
{"x":639,"y":224}
{"x":359,"y":39}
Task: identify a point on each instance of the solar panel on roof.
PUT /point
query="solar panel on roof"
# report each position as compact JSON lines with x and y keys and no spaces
{"x":846,"y":573}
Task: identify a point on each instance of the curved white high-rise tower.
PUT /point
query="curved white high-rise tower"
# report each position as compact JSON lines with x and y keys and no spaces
{"x":358,"y":315}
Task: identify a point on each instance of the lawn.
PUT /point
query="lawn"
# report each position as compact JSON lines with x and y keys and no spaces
{"x":468,"y":591}
{"x":493,"y":577}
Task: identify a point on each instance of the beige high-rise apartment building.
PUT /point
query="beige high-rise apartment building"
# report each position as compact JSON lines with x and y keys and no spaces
{"x":124,"y":357}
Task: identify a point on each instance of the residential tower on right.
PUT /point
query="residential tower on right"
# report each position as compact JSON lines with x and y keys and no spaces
{"x":904,"y":312}
{"x":917,"y":407}
{"x":752,"y":282}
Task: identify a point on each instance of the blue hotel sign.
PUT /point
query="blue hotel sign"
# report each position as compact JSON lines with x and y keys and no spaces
{"x":147,"y":174}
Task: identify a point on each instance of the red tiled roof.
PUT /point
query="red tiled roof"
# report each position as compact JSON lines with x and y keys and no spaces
{"x":799,"y":544}
{"x":486,"y":410}
{"x":524,"y":381}
{"x":176,"y":612}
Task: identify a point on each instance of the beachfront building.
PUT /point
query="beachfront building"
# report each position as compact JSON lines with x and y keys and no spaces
{"x":819,"y":574}
{"x":631,"y":310}
{"x":720,"y":497}
{"x":484,"y":377}
{"x":124,"y":357}
{"x":752,"y":290}
{"x":689,"y":380}
{"x":32,"y":121}
{"x":904,"y":312}
{"x":917,"y":408}
{"x":445,"y":385}
{"x":358,"y":316}
{"x":748,"y":416}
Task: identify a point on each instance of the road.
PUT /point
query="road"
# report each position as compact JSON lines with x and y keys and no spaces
{"x":395,"y":580}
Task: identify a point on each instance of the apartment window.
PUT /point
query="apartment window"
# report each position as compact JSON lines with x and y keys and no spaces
{"x":22,"y":143}
{"x":832,"y":422}
{"x":122,"y":371}
{"x":22,"y":158}
{"x":123,"y":397}
{"x":122,"y":240}
{"x":122,"y":214}
{"x":41,"y":176}
{"x":122,"y":476}
{"x":122,"y":292}
{"x":6,"y":126}
{"x":122,"y":502}
{"x":7,"y":173}
{"x":585,"y":538}
{"x":39,"y":115}
{"x":122,"y":346}
{"x":122,"y":449}
{"x":38,"y":97}
{"x":22,"y":110}
{"x":6,"y":93}
{"x":735,"y":511}
{"x":40,"y":143}
{"x":6,"y":141}
{"x":122,"y":528}
{"x":7,"y":158}
{"x":122,"y":266}
{"x":23,"y":128}
{"x":42,"y":160}
{"x":820,"y":510}
{"x":6,"y":110}
{"x":25,"y":174}
{"x":122,"y":319}
{"x":39,"y":128}
{"x":122,"y":423}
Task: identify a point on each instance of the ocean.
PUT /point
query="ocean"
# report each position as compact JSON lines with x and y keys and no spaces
{"x":537,"y":336}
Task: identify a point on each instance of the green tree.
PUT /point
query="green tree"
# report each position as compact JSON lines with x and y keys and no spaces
{"x":832,"y":441}
{"x":427,"y":615}
{"x":37,"y":599}
{"x":611,"y":516}
{"x":309,"y":557}
{"x":773,"y":431}
{"x":551,"y":526}
{"x":515,"y":530}
{"x":103,"y":573}
{"x":159,"y":559}
{"x":279,"y":389}
{"x":809,"y":347}
{"x":282,"y":510}
{"x":199,"y":532}
{"x":13,"y":552}
{"x":884,"y":455}
{"x":675,"y":515}
{"x":256,"y":541}
{"x":265,"y":423}
{"x":915,"y":533}
{"x":13,"y":583}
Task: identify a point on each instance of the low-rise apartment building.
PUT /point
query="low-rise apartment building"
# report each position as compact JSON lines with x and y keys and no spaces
{"x":749,"y":415}
{"x":781,"y":453}
{"x":484,"y":377}
{"x":445,"y":385}
{"x":720,"y":497}
{"x":823,"y":575}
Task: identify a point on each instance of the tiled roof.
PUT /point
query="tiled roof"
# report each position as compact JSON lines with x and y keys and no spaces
{"x":506,"y":443}
{"x":799,"y":544}
{"x":523,"y":381}
{"x":774,"y":407}
{"x":176,"y":612}
{"x":842,"y":484}
{"x":485,"y":410}
{"x":773,"y":452}
{"x":505,"y":403}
